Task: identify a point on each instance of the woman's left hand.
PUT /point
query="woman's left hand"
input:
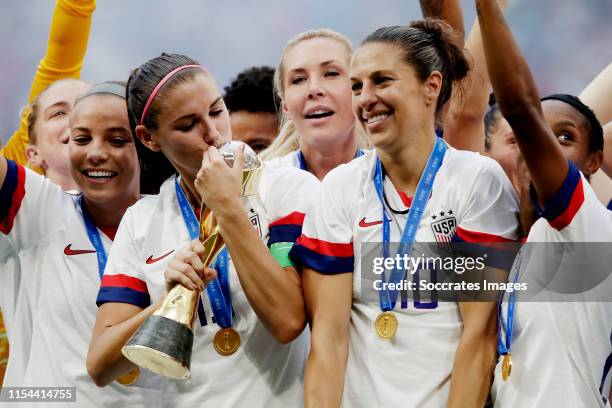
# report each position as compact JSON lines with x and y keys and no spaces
{"x":219,"y":185}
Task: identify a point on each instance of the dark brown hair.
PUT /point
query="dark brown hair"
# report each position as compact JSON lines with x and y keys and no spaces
{"x":428,"y":45}
{"x":155,"y":167}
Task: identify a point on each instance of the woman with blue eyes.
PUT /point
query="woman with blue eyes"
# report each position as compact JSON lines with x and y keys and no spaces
{"x":54,"y":247}
{"x":318,"y":129}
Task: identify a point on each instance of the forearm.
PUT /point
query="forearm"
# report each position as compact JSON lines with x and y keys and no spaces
{"x":325,"y":371}
{"x":274,"y":293}
{"x":597,"y":95}
{"x":105,"y":361}
{"x":67,"y":44}
{"x":515,"y":89}
{"x":475,"y":357}
{"x":464,"y":127}
{"x":447,"y":10}
{"x":472,"y":372}
{"x":519,"y":101}
{"x":66,"y":47}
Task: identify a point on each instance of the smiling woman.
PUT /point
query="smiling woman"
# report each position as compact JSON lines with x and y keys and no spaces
{"x":102,"y":155}
{"x":401,"y":77}
{"x":56,"y":245}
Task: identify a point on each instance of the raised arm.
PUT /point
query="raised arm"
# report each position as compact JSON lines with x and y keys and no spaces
{"x":66,"y":47}
{"x":464,"y":125}
{"x":519,"y":101}
{"x":597,"y":95}
{"x":447,"y":10}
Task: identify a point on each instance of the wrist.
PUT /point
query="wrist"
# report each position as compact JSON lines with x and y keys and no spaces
{"x":231,"y":210}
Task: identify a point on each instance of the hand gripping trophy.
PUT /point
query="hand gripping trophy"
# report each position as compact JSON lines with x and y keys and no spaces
{"x":164,"y":342}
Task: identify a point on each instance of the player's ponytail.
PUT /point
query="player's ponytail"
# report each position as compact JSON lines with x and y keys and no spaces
{"x":428,"y":45}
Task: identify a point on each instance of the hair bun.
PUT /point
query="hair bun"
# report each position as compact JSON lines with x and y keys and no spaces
{"x":449,"y":44}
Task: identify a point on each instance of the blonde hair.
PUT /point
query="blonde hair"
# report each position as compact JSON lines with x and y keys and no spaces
{"x":287,"y":139}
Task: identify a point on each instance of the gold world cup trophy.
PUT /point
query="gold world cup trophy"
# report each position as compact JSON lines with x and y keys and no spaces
{"x":164,"y":342}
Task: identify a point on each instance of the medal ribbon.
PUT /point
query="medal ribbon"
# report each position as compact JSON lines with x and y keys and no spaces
{"x":94,"y":236}
{"x":504,"y":348}
{"x":302,"y":162}
{"x":218,"y":289}
{"x":421,"y":197}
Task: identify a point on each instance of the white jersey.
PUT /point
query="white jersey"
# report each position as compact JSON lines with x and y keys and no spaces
{"x":263,"y":372}
{"x":291,"y":159}
{"x":50,"y":279}
{"x":561,"y":351}
{"x":471,"y":198}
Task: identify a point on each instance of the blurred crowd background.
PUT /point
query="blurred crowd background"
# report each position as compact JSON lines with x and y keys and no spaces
{"x":566,"y":42}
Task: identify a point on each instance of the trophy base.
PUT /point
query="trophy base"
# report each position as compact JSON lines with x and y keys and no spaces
{"x":163,"y":346}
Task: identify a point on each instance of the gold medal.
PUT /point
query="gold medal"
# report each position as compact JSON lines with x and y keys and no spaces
{"x":129,"y":378}
{"x":226,"y":341}
{"x":506,"y":367}
{"x":386,"y":325}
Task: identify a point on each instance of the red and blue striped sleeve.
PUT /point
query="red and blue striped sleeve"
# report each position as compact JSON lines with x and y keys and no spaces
{"x":563,"y":207}
{"x":123,"y":289}
{"x":11,"y":195}
{"x":123,"y":280}
{"x":286,"y":229}
{"x":325,"y":257}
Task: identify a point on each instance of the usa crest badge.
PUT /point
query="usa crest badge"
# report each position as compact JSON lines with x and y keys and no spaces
{"x":444,"y":225}
{"x":254,"y":218}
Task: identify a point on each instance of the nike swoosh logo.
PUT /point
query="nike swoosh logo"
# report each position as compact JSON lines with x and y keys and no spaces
{"x":364,"y":224}
{"x":69,"y":251}
{"x":151,"y":260}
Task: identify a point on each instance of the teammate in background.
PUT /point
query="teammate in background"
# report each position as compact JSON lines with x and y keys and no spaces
{"x":66,"y":47}
{"x":560,"y":352}
{"x":49,"y":132}
{"x":56,"y":244}
{"x":177,"y":111}
{"x":443,"y":353}
{"x":252,"y":105}
{"x":318,"y":129}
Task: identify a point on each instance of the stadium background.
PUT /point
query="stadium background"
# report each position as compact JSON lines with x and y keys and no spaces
{"x":567,"y":42}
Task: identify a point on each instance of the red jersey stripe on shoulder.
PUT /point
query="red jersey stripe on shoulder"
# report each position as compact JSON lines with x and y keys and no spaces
{"x":7,"y":224}
{"x":295,"y":218}
{"x":566,"y":217}
{"x":326,"y":248}
{"x":480,"y":237}
{"x":124,"y":281}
